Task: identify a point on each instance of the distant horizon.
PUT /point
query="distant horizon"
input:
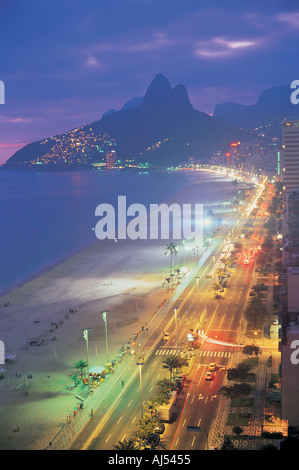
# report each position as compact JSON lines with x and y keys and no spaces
{"x":23,"y":144}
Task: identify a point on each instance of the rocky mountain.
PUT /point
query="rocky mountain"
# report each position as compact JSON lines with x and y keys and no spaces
{"x":272,"y":107}
{"x":135,"y":101}
{"x":164,"y":129}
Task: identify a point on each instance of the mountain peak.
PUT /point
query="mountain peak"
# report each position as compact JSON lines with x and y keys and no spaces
{"x":158,"y":88}
{"x":181,"y":95}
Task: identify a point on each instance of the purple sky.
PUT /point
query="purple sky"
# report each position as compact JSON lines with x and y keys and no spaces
{"x":64,"y":63}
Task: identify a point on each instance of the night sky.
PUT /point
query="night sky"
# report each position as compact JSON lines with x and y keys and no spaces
{"x":64,"y":63}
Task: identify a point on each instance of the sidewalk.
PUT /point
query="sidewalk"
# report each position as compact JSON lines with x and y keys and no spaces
{"x":219,"y":427}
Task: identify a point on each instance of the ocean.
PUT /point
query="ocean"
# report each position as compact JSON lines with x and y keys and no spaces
{"x":47,"y":217}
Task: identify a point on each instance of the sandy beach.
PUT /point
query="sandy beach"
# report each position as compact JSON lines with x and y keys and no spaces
{"x":42,"y":325}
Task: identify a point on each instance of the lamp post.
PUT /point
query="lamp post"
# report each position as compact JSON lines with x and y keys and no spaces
{"x":104,"y":314}
{"x":214,"y":262}
{"x":140,"y":363}
{"x":85,"y":336}
{"x":176,"y":328}
{"x":197,"y":278}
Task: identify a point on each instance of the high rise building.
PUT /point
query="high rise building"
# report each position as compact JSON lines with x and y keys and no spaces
{"x":290,"y":227}
{"x":290,"y":155}
{"x":290,"y":376}
{"x":290,"y":185}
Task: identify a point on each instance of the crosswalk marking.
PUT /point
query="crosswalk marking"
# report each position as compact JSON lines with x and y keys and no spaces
{"x":165,"y":352}
{"x":214,"y":354}
{"x":170,"y":352}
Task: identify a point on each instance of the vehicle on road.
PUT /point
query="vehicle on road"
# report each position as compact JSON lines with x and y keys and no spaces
{"x":209,"y":376}
{"x":212,"y":366}
{"x":166,"y":336}
{"x":160,"y":428}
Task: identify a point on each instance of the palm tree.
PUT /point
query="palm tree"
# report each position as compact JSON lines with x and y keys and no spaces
{"x":126,"y":445}
{"x":171,"y":249}
{"x":174,"y":362}
{"x":220,"y":273}
{"x":81,"y":365}
{"x":74,"y":378}
{"x":237,"y":430}
{"x":227,"y":444}
{"x":167,"y":280}
{"x":169,"y":363}
{"x":256,"y":314}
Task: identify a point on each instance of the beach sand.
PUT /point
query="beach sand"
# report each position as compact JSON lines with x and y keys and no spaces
{"x":124,"y":278}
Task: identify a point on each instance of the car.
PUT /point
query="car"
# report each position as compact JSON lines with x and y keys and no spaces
{"x":209,"y":376}
{"x":166,"y":336}
{"x":212,"y":366}
{"x":275,"y":322}
{"x":228,"y":275}
{"x":221,"y":289}
{"x":179,"y":386}
{"x":160,"y":428}
{"x":251,"y":293}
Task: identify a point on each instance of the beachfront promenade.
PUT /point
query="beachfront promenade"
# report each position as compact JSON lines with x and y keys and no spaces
{"x":125,"y":371}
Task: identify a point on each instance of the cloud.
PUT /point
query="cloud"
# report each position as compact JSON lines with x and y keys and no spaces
{"x":18,"y":120}
{"x":292,"y":18}
{"x":218,"y":47}
{"x":234,"y":44}
{"x":94,"y":63}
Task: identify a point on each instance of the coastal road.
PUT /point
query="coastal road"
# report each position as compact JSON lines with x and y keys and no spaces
{"x":197,"y":310}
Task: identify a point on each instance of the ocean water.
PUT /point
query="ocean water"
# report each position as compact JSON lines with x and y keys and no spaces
{"x":46,"y":217}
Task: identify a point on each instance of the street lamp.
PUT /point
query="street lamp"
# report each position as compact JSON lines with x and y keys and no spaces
{"x":140,"y":363}
{"x":214,"y":262}
{"x":104,"y":314}
{"x":85,"y":336}
{"x":197,"y":278}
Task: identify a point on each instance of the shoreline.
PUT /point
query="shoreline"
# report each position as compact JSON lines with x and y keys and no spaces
{"x":64,"y":257}
{"x":126,"y":281}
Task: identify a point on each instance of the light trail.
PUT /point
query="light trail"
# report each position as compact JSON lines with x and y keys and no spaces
{"x":215,"y":341}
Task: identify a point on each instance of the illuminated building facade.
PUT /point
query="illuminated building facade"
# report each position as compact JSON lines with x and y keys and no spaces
{"x":111,"y":155}
{"x":290,"y":155}
{"x":290,"y":184}
{"x":290,"y":376}
{"x":290,"y":227}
